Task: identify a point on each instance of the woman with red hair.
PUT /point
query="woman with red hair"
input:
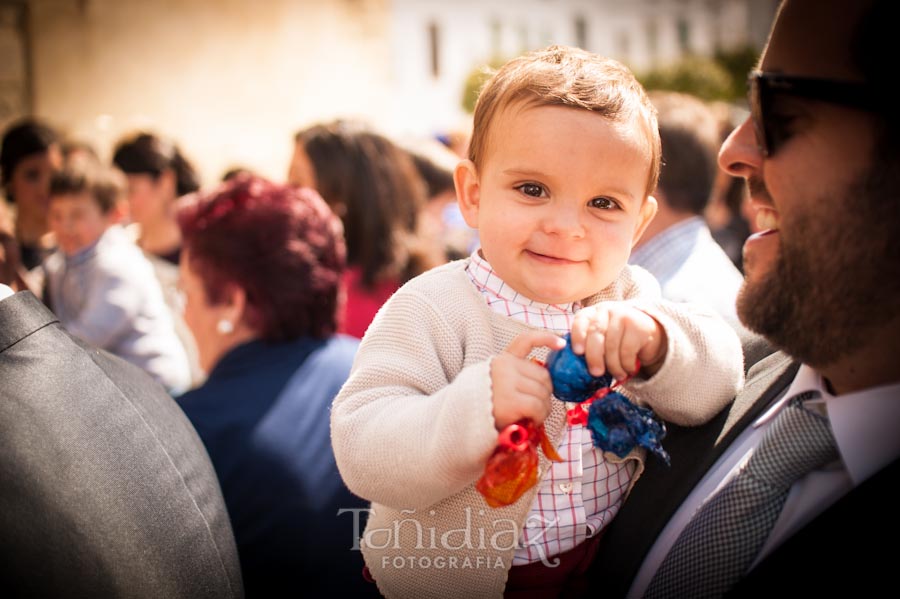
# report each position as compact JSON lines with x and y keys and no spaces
{"x":261,"y":266}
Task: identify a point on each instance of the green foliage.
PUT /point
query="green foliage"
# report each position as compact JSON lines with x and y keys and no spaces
{"x":738,"y":62}
{"x":476,"y":80}
{"x":696,"y":75}
{"x":723,"y":77}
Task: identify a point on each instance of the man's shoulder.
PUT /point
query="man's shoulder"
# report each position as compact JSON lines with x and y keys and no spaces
{"x":20,"y":315}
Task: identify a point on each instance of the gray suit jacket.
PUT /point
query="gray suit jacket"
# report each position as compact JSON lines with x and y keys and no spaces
{"x":835,"y":553}
{"x":105,"y":488}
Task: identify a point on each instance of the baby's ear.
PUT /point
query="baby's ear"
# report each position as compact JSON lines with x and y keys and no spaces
{"x":468,"y":191}
{"x":648,"y":211}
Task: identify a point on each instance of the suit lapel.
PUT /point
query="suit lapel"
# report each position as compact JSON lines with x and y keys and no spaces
{"x":660,"y":491}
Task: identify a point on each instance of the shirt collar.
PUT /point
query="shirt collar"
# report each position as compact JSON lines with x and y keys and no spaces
{"x":866,"y":426}
{"x":664,"y":253}
{"x":865,"y":423}
{"x":5,"y":292}
{"x":85,"y":253}
{"x":504,"y":299}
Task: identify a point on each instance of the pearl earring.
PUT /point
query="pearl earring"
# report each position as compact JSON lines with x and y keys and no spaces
{"x":224,"y":327}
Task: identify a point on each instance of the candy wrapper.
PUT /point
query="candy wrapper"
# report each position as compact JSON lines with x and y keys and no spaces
{"x":615,"y":423}
{"x":512,"y":468}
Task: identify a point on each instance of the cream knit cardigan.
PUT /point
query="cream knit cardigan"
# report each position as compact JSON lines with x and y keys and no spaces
{"x":413,"y":427}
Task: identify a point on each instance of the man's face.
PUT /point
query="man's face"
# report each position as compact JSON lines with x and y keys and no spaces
{"x":816,"y":273}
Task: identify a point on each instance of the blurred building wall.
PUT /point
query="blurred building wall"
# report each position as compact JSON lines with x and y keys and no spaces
{"x":438,"y":43}
{"x":14,"y":81}
{"x":232,"y":80}
{"x":229,"y":80}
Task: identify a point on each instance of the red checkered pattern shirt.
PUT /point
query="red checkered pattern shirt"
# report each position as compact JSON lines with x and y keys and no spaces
{"x":577,"y":497}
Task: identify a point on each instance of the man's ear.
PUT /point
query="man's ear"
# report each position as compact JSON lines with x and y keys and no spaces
{"x":468,"y":191}
{"x":648,"y":211}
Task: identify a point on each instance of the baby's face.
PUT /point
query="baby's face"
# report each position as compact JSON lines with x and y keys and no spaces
{"x":559,"y":200}
{"x":77,"y":221}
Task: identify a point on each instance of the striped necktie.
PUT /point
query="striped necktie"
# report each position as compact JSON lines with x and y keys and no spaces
{"x":726,"y":534}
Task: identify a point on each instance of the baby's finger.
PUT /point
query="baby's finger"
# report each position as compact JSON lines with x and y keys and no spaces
{"x":595,"y":352}
{"x":537,"y":372}
{"x":594,"y":319}
{"x":522,"y":345}
{"x":528,"y":405}
{"x":633,"y":339}
{"x":614,"y":333}
{"x":578,"y":333}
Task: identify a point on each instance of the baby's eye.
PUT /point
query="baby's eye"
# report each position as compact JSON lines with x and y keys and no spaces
{"x":531,"y":189}
{"x":602,"y":203}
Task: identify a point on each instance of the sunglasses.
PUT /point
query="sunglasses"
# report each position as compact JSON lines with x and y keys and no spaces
{"x":766,"y":89}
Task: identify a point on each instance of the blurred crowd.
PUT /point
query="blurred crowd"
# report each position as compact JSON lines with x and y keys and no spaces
{"x":246,"y":298}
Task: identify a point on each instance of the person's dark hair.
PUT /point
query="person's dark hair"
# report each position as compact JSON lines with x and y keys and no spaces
{"x":103,"y":184}
{"x":379,"y":192}
{"x":149,"y":154}
{"x":438,"y":178}
{"x":236,"y":171}
{"x":9,"y":258}
{"x":22,"y":139}
{"x":283,"y":246}
{"x":689,"y":131}
{"x":73,"y":149}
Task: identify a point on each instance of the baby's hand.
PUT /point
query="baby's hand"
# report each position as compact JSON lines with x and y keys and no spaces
{"x":614,"y":335}
{"x":522,"y":388}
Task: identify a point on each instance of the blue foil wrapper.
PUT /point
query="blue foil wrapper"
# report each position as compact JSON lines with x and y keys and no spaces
{"x":570,"y":376}
{"x":616,"y":424}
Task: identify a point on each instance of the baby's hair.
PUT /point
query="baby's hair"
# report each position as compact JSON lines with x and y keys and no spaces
{"x":564,"y":76}
{"x":103,"y":184}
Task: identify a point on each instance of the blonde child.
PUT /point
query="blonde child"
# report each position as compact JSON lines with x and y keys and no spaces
{"x":564,"y":155}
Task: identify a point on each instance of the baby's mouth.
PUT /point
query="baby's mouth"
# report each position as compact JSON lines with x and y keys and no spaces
{"x":549,"y":258}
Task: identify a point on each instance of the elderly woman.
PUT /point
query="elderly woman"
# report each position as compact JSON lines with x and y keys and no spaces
{"x":261,"y":267}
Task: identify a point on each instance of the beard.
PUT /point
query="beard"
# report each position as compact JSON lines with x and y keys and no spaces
{"x":837,"y":272}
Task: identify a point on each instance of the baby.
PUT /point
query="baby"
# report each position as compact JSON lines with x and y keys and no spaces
{"x":564,"y":156}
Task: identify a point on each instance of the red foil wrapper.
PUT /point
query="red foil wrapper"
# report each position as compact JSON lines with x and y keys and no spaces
{"x":512,"y":468}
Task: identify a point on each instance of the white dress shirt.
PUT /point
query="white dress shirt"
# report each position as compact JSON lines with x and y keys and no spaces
{"x":5,"y":292}
{"x":866,"y":426}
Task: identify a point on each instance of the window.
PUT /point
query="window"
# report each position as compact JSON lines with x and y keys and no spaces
{"x":434,"y":45}
{"x":684,"y":35}
{"x":581,"y":38}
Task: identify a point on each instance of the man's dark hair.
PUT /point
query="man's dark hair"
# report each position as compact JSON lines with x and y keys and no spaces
{"x":689,"y":132}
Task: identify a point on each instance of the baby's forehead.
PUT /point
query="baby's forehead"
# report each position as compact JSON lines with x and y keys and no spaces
{"x":636,"y":129}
